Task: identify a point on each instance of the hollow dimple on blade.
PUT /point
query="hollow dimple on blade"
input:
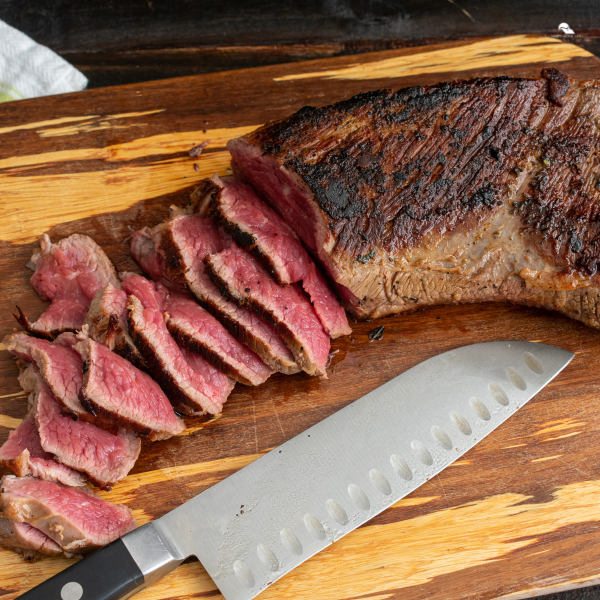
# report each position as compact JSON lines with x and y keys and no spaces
{"x":325,"y":482}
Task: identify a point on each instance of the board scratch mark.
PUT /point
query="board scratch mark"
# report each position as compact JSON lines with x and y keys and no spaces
{"x":277,"y":416}
{"x":443,"y":490}
{"x":255,"y":427}
{"x":588,"y":475}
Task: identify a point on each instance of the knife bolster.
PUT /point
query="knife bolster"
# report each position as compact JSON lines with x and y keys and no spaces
{"x":151,"y":553}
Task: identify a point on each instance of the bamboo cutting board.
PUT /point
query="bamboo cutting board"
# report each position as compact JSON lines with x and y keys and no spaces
{"x":517,"y":516}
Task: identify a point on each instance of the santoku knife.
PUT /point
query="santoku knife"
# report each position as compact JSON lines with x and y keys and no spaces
{"x":257,"y":525}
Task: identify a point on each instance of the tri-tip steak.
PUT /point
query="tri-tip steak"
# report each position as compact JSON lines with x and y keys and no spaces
{"x":465,"y":191}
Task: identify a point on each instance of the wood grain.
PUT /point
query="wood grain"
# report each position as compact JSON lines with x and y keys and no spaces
{"x":517,"y":516}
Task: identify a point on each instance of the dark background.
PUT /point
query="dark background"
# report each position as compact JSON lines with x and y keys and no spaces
{"x":129,"y":41}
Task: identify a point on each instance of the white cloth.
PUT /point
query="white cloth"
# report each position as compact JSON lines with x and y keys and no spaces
{"x":28,"y":70}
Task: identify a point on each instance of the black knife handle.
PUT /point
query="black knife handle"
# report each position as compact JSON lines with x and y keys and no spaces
{"x":109,"y":573}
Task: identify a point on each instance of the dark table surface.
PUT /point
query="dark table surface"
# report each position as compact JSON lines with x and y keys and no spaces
{"x":116,"y":42}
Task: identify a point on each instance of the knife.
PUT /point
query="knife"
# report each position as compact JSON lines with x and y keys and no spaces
{"x":260,"y":523}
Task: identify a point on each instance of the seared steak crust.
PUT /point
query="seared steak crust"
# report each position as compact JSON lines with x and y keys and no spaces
{"x":464,"y":191}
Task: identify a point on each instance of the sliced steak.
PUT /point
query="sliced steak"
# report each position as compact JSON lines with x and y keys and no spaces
{"x":198,"y":331}
{"x":195,"y":329}
{"x":191,"y":383}
{"x":184,"y":242}
{"x":68,"y":273}
{"x":120,"y":395}
{"x":75,"y":518}
{"x":143,"y":289}
{"x":331,"y":314}
{"x":459,"y":192}
{"x":74,"y":268}
{"x":60,"y":316}
{"x":143,"y":250}
{"x":261,"y":231}
{"x":60,"y":366}
{"x":104,"y":457}
{"x":28,"y":541}
{"x":106,"y":322}
{"x":240,"y":275}
{"x":22,"y":454}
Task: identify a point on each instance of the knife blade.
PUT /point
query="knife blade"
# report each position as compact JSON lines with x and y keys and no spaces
{"x":255,"y":526}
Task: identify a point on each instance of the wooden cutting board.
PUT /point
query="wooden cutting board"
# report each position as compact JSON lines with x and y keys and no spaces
{"x":517,"y":516}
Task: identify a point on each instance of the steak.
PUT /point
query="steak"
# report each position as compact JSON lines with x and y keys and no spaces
{"x":183,"y":242}
{"x":22,"y":454}
{"x":120,"y":395}
{"x":262,"y":232}
{"x":28,"y":541}
{"x":60,"y":316}
{"x":104,"y":457}
{"x":75,"y":518}
{"x":459,"y":192}
{"x":195,"y":329}
{"x":239,"y":274}
{"x":191,"y":383}
{"x":198,"y":331}
{"x":106,"y":323}
{"x":143,"y":250}
{"x":143,"y":289}
{"x":71,"y":271}
{"x":59,"y":364}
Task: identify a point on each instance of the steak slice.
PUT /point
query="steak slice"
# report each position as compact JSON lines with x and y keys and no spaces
{"x":184,"y":242}
{"x":143,"y":289}
{"x":237,"y":272}
{"x":458,"y":192}
{"x":198,"y":331}
{"x":28,"y":541}
{"x":60,"y":366}
{"x":60,"y":316}
{"x":143,"y":250}
{"x":68,"y":273}
{"x":75,"y":518}
{"x":22,"y":454}
{"x":195,"y":329}
{"x":106,"y":322}
{"x":192,"y":384}
{"x":262,"y":232}
{"x":104,"y":457}
{"x":120,"y":395}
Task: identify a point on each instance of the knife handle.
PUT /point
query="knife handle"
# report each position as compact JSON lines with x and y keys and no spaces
{"x":110,"y":573}
{"x":114,"y":572}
